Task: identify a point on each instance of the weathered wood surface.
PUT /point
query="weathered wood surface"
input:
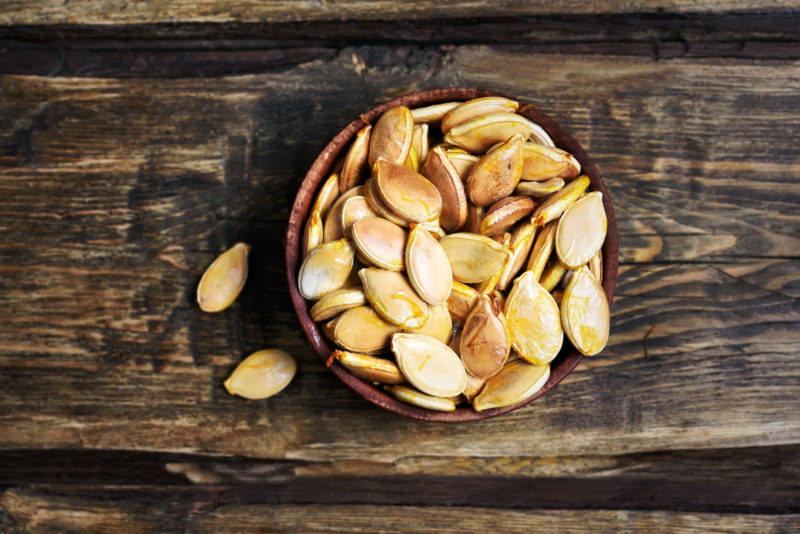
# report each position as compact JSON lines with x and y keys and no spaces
{"x":116,"y":193}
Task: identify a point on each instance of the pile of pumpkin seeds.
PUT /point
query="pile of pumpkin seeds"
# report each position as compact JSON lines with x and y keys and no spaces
{"x":448,"y":267}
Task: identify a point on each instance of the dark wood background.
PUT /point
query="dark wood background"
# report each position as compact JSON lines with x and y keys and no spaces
{"x":140,"y":139}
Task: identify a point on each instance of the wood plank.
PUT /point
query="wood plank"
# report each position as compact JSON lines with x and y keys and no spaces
{"x":117,"y":193}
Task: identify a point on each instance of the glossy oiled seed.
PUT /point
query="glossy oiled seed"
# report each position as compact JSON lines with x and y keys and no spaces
{"x":461,"y":301}
{"x":370,"y":367}
{"x":355,"y":163}
{"x":419,"y":142}
{"x":542,"y":248}
{"x":262,"y":374}
{"x":224,"y":279}
{"x":484,"y":340}
{"x":477,"y":107}
{"x":584,"y":313}
{"x":428,"y":267}
{"x":432,"y":114}
{"x":360,"y":329}
{"x":429,"y":365}
{"x":539,"y":189}
{"x":333,"y":220}
{"x":542,"y":162}
{"x":473,"y":387}
{"x":354,"y":209}
{"x":407,"y":193}
{"x":462,"y":161}
{"x":521,"y":244}
{"x":554,"y":205}
{"x":478,"y":134}
{"x":473,"y":258}
{"x":516,"y":382}
{"x":337,"y":302}
{"x":412,"y":161}
{"x":381,"y":242}
{"x":439,"y":324}
{"x":313,"y":233}
{"x":440,"y":171}
{"x":393,"y":297}
{"x":391,"y":137}
{"x":325,"y":269}
{"x":533,"y":321}
{"x":417,"y":398}
{"x":327,"y":195}
{"x":581,"y":230}
{"x":504,"y":213}
{"x":379,"y":206}
{"x":497,"y":174}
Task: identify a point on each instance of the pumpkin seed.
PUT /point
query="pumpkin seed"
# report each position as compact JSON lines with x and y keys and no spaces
{"x":581,"y":230}
{"x":428,"y":266}
{"x":337,"y":302}
{"x":432,"y":114}
{"x":440,"y":171}
{"x":391,"y":137}
{"x":391,"y":295}
{"x":462,"y":161}
{"x":429,"y":365}
{"x":584,"y":313}
{"x":381,"y":242}
{"x":328,"y":194}
{"x":484,"y":340}
{"x":596,"y":266}
{"x":379,"y":206}
{"x":473,"y":387}
{"x":521,"y":243}
{"x":313,"y":234}
{"x":474,"y":218}
{"x":417,"y":398}
{"x":407,"y":193}
{"x":224,"y":279}
{"x":533,"y":321}
{"x":354,"y":209}
{"x":333,"y":221}
{"x":542,"y":248}
{"x":540,"y":136}
{"x":497,"y":174}
{"x":360,"y":329}
{"x":412,"y":161}
{"x":461,"y":301}
{"x":473,"y":258}
{"x":439,"y":324}
{"x":325,"y":269}
{"x":553,"y":274}
{"x":539,"y":189}
{"x":515,"y":383}
{"x":475,"y":108}
{"x":504,"y":213}
{"x":419,"y":142}
{"x":542,"y":162}
{"x":355,"y":162}
{"x":369,"y":367}
{"x":262,"y":374}
{"x":555,"y":204}
{"x":478,"y":134}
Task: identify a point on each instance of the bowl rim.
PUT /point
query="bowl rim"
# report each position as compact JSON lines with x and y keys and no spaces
{"x":567,"y":359}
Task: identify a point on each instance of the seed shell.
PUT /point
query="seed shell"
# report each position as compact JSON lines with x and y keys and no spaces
{"x":325,"y":269}
{"x":478,"y":134}
{"x":581,"y":230}
{"x":417,"y":398}
{"x":393,"y":297}
{"x":391,"y":137}
{"x":370,"y":367}
{"x":224,"y":279}
{"x":484,"y":340}
{"x":337,"y":302}
{"x":539,"y":189}
{"x":534,"y":321}
{"x":355,"y":163}
{"x":429,"y":365}
{"x":505,"y":213}
{"x":428,"y":266}
{"x":440,"y":171}
{"x":473,"y":258}
{"x":555,"y":204}
{"x":262,"y":374}
{"x":407,"y":193}
{"x":516,"y":382}
{"x":584,"y":313}
{"x":475,"y":108}
{"x":360,"y":329}
{"x":497,"y":174}
{"x":381,"y":242}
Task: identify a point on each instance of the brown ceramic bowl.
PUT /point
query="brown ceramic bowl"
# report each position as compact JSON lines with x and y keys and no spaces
{"x":564,"y":363}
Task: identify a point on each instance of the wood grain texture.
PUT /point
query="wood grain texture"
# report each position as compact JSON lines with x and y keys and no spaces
{"x":117,"y":193}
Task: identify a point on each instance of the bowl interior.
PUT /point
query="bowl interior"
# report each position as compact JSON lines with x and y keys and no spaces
{"x":567,"y":359}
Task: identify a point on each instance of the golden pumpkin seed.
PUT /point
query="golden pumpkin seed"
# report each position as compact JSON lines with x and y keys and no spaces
{"x":539,"y":189}
{"x":369,"y":367}
{"x":379,"y":206}
{"x":497,"y":174}
{"x":555,"y":204}
{"x":337,"y":302}
{"x":473,"y":258}
{"x":419,"y":142}
{"x":542,"y":162}
{"x":584,"y":313}
{"x":461,"y":301}
{"x":581,"y":230}
{"x":429,"y":365}
{"x":417,"y":398}
{"x":360,"y":329}
{"x":553,"y":274}
{"x":381,"y":242}
{"x":313,"y":234}
{"x":439,"y":324}
{"x":224,"y":279}
{"x":355,"y":163}
{"x":392,"y":296}
{"x":432,"y":114}
{"x":462,"y":161}
{"x":505,"y":213}
{"x":328,"y":194}
{"x":354,"y":209}
{"x":325,"y":269}
{"x":428,"y":267}
{"x":521,"y":243}
{"x":540,"y":136}
{"x":542,"y":248}
{"x":391,"y":137}
{"x":478,"y":134}
{"x":333,"y":221}
{"x":442,"y":174}
{"x":475,"y":108}
{"x":412,"y":161}
{"x":407,"y":193}
{"x":473,"y":387}
{"x":533,"y":321}
{"x":474,"y":218}
{"x":596,"y":266}
{"x":516,"y":382}
{"x":262,"y":374}
{"x":484,"y":340}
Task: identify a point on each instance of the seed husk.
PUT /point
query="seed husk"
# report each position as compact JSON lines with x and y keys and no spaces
{"x":419,"y":142}
{"x":328,"y":194}
{"x":391,"y":137}
{"x":473,"y":258}
{"x":596,"y":266}
{"x":429,"y":365}
{"x":381,"y":242}
{"x":542,"y":248}
{"x":462,"y":161}
{"x":439,"y":324}
{"x":516,"y":382}
{"x":325,"y":269}
{"x":355,"y":162}
{"x":521,"y":244}
{"x":553,"y":274}
{"x":440,"y":171}
{"x":541,"y":162}
{"x":473,"y":387}
{"x":504,"y":213}
{"x":554,"y":205}
{"x":540,"y":136}
{"x":379,"y":206}
{"x":484,"y":340}
{"x":417,"y":398}
{"x":333,"y":220}
{"x":412,"y":161}
{"x":475,"y":108}
{"x":224,"y":279}
{"x":539,"y":189}
{"x":432,"y":114}
{"x":370,"y":367}
{"x":497,"y":174}
{"x":337,"y":302}
{"x":428,"y":266}
{"x":313,"y":234}
{"x":354,"y":209}
{"x":262,"y":374}
{"x":581,"y":230}
{"x":533,"y":321}
{"x":478,"y":134}
{"x":584,"y":313}
{"x":360,"y":329}
{"x":393,"y":297}
{"x":407,"y":193}
{"x":461,"y":301}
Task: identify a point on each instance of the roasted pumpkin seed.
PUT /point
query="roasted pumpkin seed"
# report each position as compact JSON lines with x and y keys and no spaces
{"x":461,"y":301}
{"x":325,"y":269}
{"x":516,"y":382}
{"x":337,"y":302}
{"x":393,"y":297}
{"x":360,"y":329}
{"x":224,"y":279}
{"x":370,"y":367}
{"x":428,"y":266}
{"x":391,"y":137}
{"x":521,"y":244}
{"x":497,"y":174}
{"x":596,"y":266}
{"x":533,"y":321}
{"x":419,"y":142}
{"x":581,"y":230}
{"x":429,"y":365}
{"x":484,"y":340}
{"x":505,"y":213}
{"x":478,"y":134}
{"x":541,"y":162}
{"x":473,"y":258}
{"x":313,"y":234}
{"x":542,"y":248}
{"x":439,"y":324}
{"x":475,"y":108}
{"x":553,"y":274}
{"x":474,"y":218}
{"x":379,"y":206}
{"x":584,"y":313}
{"x":417,"y":398}
{"x":333,"y":220}
{"x":473,"y":387}
{"x":381,"y":242}
{"x":327,"y":195}
{"x":539,"y":189}
{"x":354,"y":209}
{"x":407,"y":193}
{"x":355,"y":162}
{"x":432,"y":114}
{"x":554,"y":205}
{"x":440,"y":171}
{"x":412,"y":161}
{"x":462,"y":161}
{"x":262,"y":374}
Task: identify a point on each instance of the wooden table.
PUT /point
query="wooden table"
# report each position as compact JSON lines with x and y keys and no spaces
{"x":140,"y":139}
